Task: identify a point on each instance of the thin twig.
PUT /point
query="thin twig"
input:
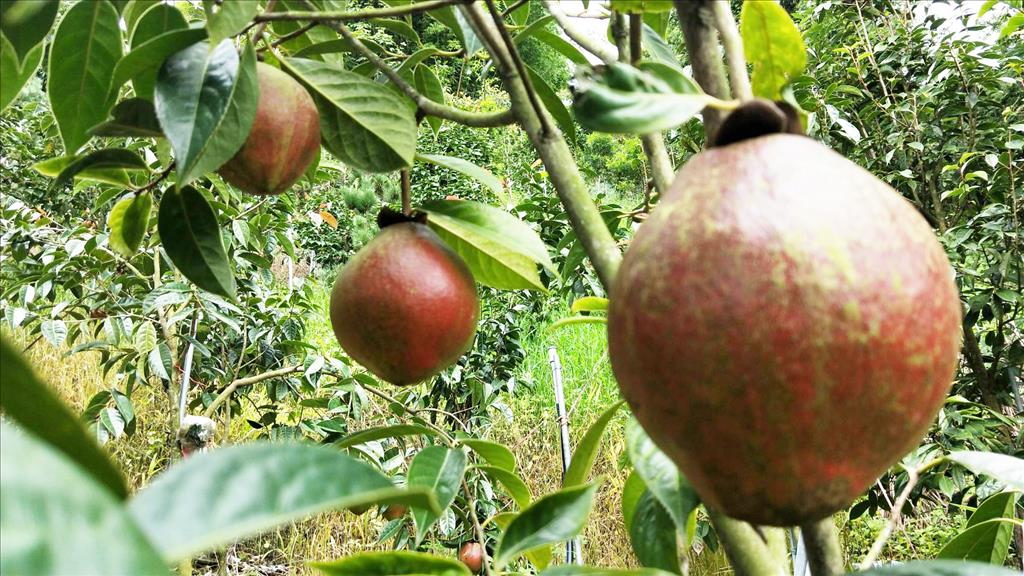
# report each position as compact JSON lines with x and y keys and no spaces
{"x":258,"y":33}
{"x":406,"y":192}
{"x":294,"y":34}
{"x":513,"y":7}
{"x":894,"y":518}
{"x":156,"y":181}
{"x":226,"y":392}
{"x":733,"y":44}
{"x":595,"y":47}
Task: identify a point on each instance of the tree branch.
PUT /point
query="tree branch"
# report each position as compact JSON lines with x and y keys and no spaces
{"x":823,"y":552}
{"x":595,"y":47}
{"x":702,"y":45}
{"x":365,"y":14}
{"x":226,"y":392}
{"x":894,"y":518}
{"x":555,"y":153}
{"x":733,"y":44}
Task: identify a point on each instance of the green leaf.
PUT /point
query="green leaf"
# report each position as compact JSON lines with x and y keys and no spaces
{"x":381,"y":432}
{"x":229,"y":18}
{"x":134,"y":117}
{"x":988,"y":533}
{"x":28,"y":401}
{"x":241,"y":490}
{"x":641,"y":6}
{"x":206,"y":102}
{"x":55,"y":519}
{"x":481,"y":175}
{"x":397,"y":563}
{"x":940,"y":568}
{"x":514,"y":485}
{"x":52,"y":168}
{"x":191,"y":237}
{"x":773,"y":46}
{"x":156,"y":21}
{"x":439,"y":470}
{"x":553,"y":103}
{"x":574,"y":320}
{"x":493,"y":453}
{"x":143,"y":63}
{"x":398,"y":27}
{"x":520,"y":16}
{"x":430,"y":86}
{"x":659,"y":49}
{"x":26,"y":23}
{"x":586,"y":451}
{"x":589,"y":304}
{"x":631,"y":493}
{"x":1005,"y":469}
{"x":13,"y":74}
{"x":85,"y":50}
{"x":55,"y":331}
{"x":455,"y":22}
{"x":625,"y":100}
{"x":1015,"y":22}
{"x":653,"y":535}
{"x":660,"y":475}
{"x":106,"y":159}
{"x":540,"y":556}
{"x":127,"y":223}
{"x":500,"y":250}
{"x":554,"y":518}
{"x":363,"y":123}
{"x":134,"y":10}
{"x":558,"y":44}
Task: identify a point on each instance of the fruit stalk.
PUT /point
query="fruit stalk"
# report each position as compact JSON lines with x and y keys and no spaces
{"x":823,"y":552}
{"x":748,"y":553}
{"x":733,"y":44}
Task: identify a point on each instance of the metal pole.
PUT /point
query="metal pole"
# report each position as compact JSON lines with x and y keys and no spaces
{"x":572,"y":549}
{"x":801,"y":567}
{"x":186,"y":374}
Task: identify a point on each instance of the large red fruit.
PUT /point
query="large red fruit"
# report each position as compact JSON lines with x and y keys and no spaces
{"x":284,"y":139}
{"x":785,"y":327}
{"x":405,"y":306}
{"x":472,"y":555}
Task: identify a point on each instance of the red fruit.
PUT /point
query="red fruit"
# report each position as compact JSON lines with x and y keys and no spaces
{"x":472,"y":555}
{"x":405,"y":305}
{"x":394,"y":512}
{"x":785,"y":327}
{"x":284,"y":140}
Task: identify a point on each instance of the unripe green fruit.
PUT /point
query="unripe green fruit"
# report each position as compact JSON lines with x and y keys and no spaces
{"x":785,"y":327}
{"x":284,"y":140}
{"x":405,"y":306}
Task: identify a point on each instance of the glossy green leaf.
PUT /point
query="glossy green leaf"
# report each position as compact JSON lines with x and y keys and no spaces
{"x":127,"y":223}
{"x":538,"y":24}
{"x":653,"y":535}
{"x":26,"y":23}
{"x":495,"y":454}
{"x":337,"y":45}
{"x":500,"y":250}
{"x":520,"y":16}
{"x":363,"y":123}
{"x":660,"y":475}
{"x":453,"y":19}
{"x":428,"y":84}
{"x":559,"y":44}
{"x":242,"y":490}
{"x":554,"y":518}
{"x":191,"y":238}
{"x":206,"y":103}
{"x":514,"y":485}
{"x":13,"y":74}
{"x":226,"y":19}
{"x":626,"y":100}
{"x":382,"y":432}
{"x":586,"y":451}
{"x":85,"y":51}
{"x":773,"y":46}
{"x":134,"y":117}
{"x":134,"y":10}
{"x":30,"y":403}
{"x":658,"y":48}
{"x":55,"y":331}
{"x":396,"y":563}
{"x":55,"y":519}
{"x":52,"y":167}
{"x":540,"y":556}
{"x":1006,"y":469}
{"x":105,"y":159}
{"x":481,"y":175}
{"x":589,"y":304}
{"x":553,"y":103}
{"x":398,"y":27}
{"x":940,"y":568}
{"x":408,"y":67}
{"x":631,"y":493}
{"x":143,"y":63}
{"x":641,"y":6}
{"x":156,"y":21}
{"x":439,"y":470}
{"x":988,"y":533}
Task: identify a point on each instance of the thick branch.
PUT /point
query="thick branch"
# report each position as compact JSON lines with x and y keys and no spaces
{"x":748,"y":553}
{"x":823,"y":552}
{"x":702,"y":45}
{"x":226,"y":392}
{"x":424,"y":104}
{"x":554,"y":152}
{"x":976,"y":360}
{"x":347,"y":15}
{"x":595,"y":47}
{"x":733,"y":44}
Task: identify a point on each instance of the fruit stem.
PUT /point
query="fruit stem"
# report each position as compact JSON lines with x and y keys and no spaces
{"x":823,"y":551}
{"x":747,"y":551}
{"x":733,"y":44}
{"x":406,"y":192}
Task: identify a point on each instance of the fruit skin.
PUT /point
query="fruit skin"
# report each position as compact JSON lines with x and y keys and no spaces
{"x":394,"y":512}
{"x":785,"y":327}
{"x":405,"y":305}
{"x":472,"y":555}
{"x":284,"y":140}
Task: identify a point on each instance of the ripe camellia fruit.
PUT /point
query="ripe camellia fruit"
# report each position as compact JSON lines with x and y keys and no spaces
{"x":472,"y":555}
{"x":394,"y":512}
{"x":785,"y":327}
{"x":284,"y":139}
{"x":405,"y":306}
